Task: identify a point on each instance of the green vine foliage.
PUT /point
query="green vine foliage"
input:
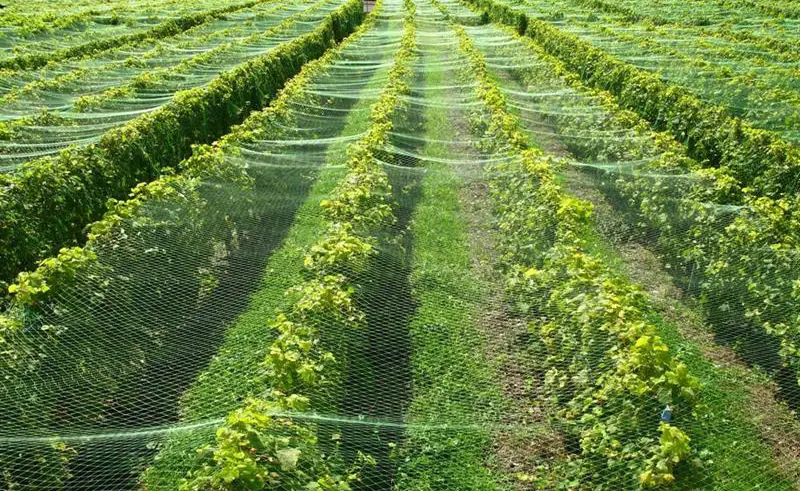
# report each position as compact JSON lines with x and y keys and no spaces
{"x":255,"y":449}
{"x":604,"y":366}
{"x":729,"y":223}
{"x":767,"y":43}
{"x":173,"y":26}
{"x":151,"y":78}
{"x":46,"y":203}
{"x":188,"y":38}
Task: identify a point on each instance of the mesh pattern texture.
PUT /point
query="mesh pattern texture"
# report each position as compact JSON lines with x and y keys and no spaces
{"x":437,"y":261}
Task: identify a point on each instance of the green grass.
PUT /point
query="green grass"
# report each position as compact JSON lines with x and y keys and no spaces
{"x":453,"y":383}
{"x":235,"y":372}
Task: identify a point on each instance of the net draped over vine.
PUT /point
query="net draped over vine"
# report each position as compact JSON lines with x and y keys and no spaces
{"x":482,"y":351}
{"x":76,"y":102}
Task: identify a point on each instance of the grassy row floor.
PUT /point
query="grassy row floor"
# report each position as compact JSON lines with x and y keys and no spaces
{"x":456,"y":398}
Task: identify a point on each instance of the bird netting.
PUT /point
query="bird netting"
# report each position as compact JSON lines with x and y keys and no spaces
{"x":710,"y":49}
{"x":415,"y":270}
{"x":76,"y":103}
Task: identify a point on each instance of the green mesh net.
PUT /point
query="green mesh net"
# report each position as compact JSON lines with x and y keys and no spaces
{"x":488,"y":331}
{"x":75,"y":103}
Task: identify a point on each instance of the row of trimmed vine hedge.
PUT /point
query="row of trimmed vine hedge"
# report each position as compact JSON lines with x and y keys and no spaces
{"x":116,"y":59}
{"x":758,"y":159}
{"x":168,"y":28}
{"x":298,"y":365}
{"x":744,"y":93}
{"x":784,"y":48}
{"x":45,"y":204}
{"x":150,"y":79}
{"x":603,"y":363}
{"x":630,"y":13}
{"x":16,"y":129}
